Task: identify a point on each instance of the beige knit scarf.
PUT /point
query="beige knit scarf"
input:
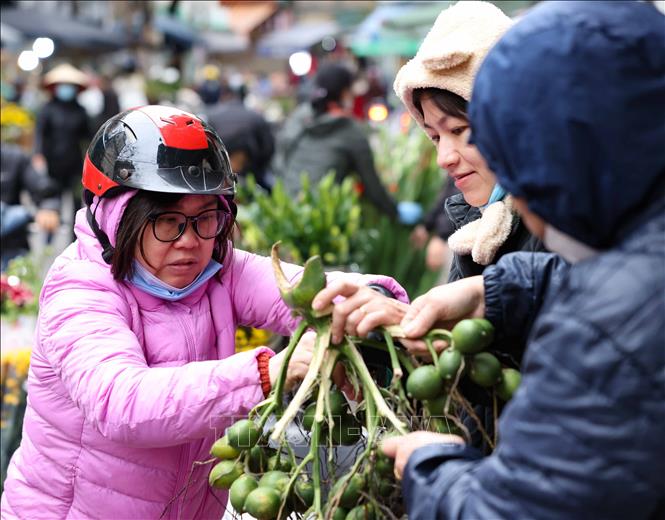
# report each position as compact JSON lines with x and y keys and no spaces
{"x":482,"y":238}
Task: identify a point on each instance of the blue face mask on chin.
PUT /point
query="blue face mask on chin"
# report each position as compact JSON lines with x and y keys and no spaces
{"x":498,"y":193}
{"x":66,"y":91}
{"x":148,"y":282}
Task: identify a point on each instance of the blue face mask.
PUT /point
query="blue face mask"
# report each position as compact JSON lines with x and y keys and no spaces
{"x":148,"y":282}
{"x":498,"y":193}
{"x":65,"y":91}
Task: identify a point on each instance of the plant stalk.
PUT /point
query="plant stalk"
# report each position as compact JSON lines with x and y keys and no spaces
{"x":316,"y":468}
{"x":281,"y":380}
{"x":397,"y":369}
{"x":354,"y":357}
{"x":318,"y":356}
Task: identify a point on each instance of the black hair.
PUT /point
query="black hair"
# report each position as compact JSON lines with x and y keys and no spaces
{"x":449,"y":102}
{"x":135,"y":222}
{"x":330,"y":82}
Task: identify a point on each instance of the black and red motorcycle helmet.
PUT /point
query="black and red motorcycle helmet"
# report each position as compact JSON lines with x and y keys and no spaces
{"x":155,"y":148}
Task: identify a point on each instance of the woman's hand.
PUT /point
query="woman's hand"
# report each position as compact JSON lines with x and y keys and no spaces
{"x":298,"y":364}
{"x":362,"y":310}
{"x":48,"y":219}
{"x":437,"y":254}
{"x":401,"y":447}
{"x":442,"y":307}
{"x":419,"y":236}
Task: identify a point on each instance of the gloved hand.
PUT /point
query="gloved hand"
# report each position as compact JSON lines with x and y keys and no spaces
{"x":408,"y":212}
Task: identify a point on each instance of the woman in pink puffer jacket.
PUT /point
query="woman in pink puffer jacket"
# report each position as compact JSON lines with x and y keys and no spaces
{"x":133,"y":374}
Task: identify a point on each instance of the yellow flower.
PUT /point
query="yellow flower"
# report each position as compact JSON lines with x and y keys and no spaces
{"x":13,"y":115}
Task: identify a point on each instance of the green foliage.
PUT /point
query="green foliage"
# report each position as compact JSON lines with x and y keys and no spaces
{"x":157,"y":90}
{"x":406,"y":163}
{"x":323,"y":220}
{"x":328,"y":220}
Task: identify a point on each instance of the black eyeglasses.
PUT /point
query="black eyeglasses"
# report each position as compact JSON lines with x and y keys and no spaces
{"x":169,"y":226}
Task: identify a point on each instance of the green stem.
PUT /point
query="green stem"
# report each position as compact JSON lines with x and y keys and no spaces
{"x":406,"y":362}
{"x":401,"y":355}
{"x":432,"y":352}
{"x":318,"y":356}
{"x":257,"y":409}
{"x":397,"y":370}
{"x":292,"y":454}
{"x":316,"y":468}
{"x":346,"y":479}
{"x":266,"y":413}
{"x":458,"y":375}
{"x":296,"y":473}
{"x":281,"y":379}
{"x":371,"y":419}
{"x":323,"y":397}
{"x":354,"y":357}
{"x":438,"y":333}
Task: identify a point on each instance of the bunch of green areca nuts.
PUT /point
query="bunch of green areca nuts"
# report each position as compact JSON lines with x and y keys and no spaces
{"x":257,"y":463}
{"x":436,"y":384}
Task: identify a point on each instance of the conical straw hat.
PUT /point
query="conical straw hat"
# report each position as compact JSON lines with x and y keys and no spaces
{"x":66,"y":73}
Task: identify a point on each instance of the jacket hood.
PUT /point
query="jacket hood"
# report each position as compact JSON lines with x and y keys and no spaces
{"x":108,"y":212}
{"x":567,"y":109}
{"x":452,"y":51}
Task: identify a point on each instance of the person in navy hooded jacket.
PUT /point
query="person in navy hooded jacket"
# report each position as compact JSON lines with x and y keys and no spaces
{"x":568,"y":110}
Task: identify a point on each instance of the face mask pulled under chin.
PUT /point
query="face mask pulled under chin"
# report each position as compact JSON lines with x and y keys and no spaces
{"x":570,"y":249}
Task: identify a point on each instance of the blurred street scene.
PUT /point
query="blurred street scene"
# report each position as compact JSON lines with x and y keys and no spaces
{"x":246,"y":63}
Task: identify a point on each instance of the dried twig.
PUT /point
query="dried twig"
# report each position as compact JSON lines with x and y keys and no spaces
{"x":469,"y":409}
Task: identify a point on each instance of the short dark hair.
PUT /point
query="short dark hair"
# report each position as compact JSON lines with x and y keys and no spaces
{"x":134,"y":223}
{"x":330,"y":82}
{"x":449,"y":102}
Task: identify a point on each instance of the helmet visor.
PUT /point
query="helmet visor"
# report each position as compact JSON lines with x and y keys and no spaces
{"x":193,"y":171}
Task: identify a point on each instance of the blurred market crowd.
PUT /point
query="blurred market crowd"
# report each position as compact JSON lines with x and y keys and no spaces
{"x":248,"y":68}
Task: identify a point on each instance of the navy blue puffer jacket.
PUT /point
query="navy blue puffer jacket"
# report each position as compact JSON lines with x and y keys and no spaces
{"x":576,"y":127}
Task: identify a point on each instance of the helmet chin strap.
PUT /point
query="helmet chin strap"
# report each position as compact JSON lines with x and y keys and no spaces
{"x":107,"y":248}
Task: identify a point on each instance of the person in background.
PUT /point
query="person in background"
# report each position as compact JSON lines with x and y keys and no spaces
{"x":435,"y":86}
{"x":573,"y":132}
{"x":130,"y":84}
{"x":17,"y":176}
{"x":134,"y":373}
{"x":62,"y":131}
{"x":110,"y":100}
{"x":211,"y":88}
{"x":321,"y":136}
{"x":246,"y":134}
{"x":99,"y":99}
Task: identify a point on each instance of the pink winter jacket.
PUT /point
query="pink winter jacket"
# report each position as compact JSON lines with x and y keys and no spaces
{"x":126,"y":391}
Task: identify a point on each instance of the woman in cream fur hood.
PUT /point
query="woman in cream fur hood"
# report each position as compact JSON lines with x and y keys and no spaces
{"x":436,"y":86}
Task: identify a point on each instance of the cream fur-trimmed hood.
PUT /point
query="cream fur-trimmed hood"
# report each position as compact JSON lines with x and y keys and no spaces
{"x":452,"y":51}
{"x":482,"y":238}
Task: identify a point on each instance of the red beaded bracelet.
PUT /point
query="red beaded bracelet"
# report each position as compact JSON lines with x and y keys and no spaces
{"x":263,"y":362}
